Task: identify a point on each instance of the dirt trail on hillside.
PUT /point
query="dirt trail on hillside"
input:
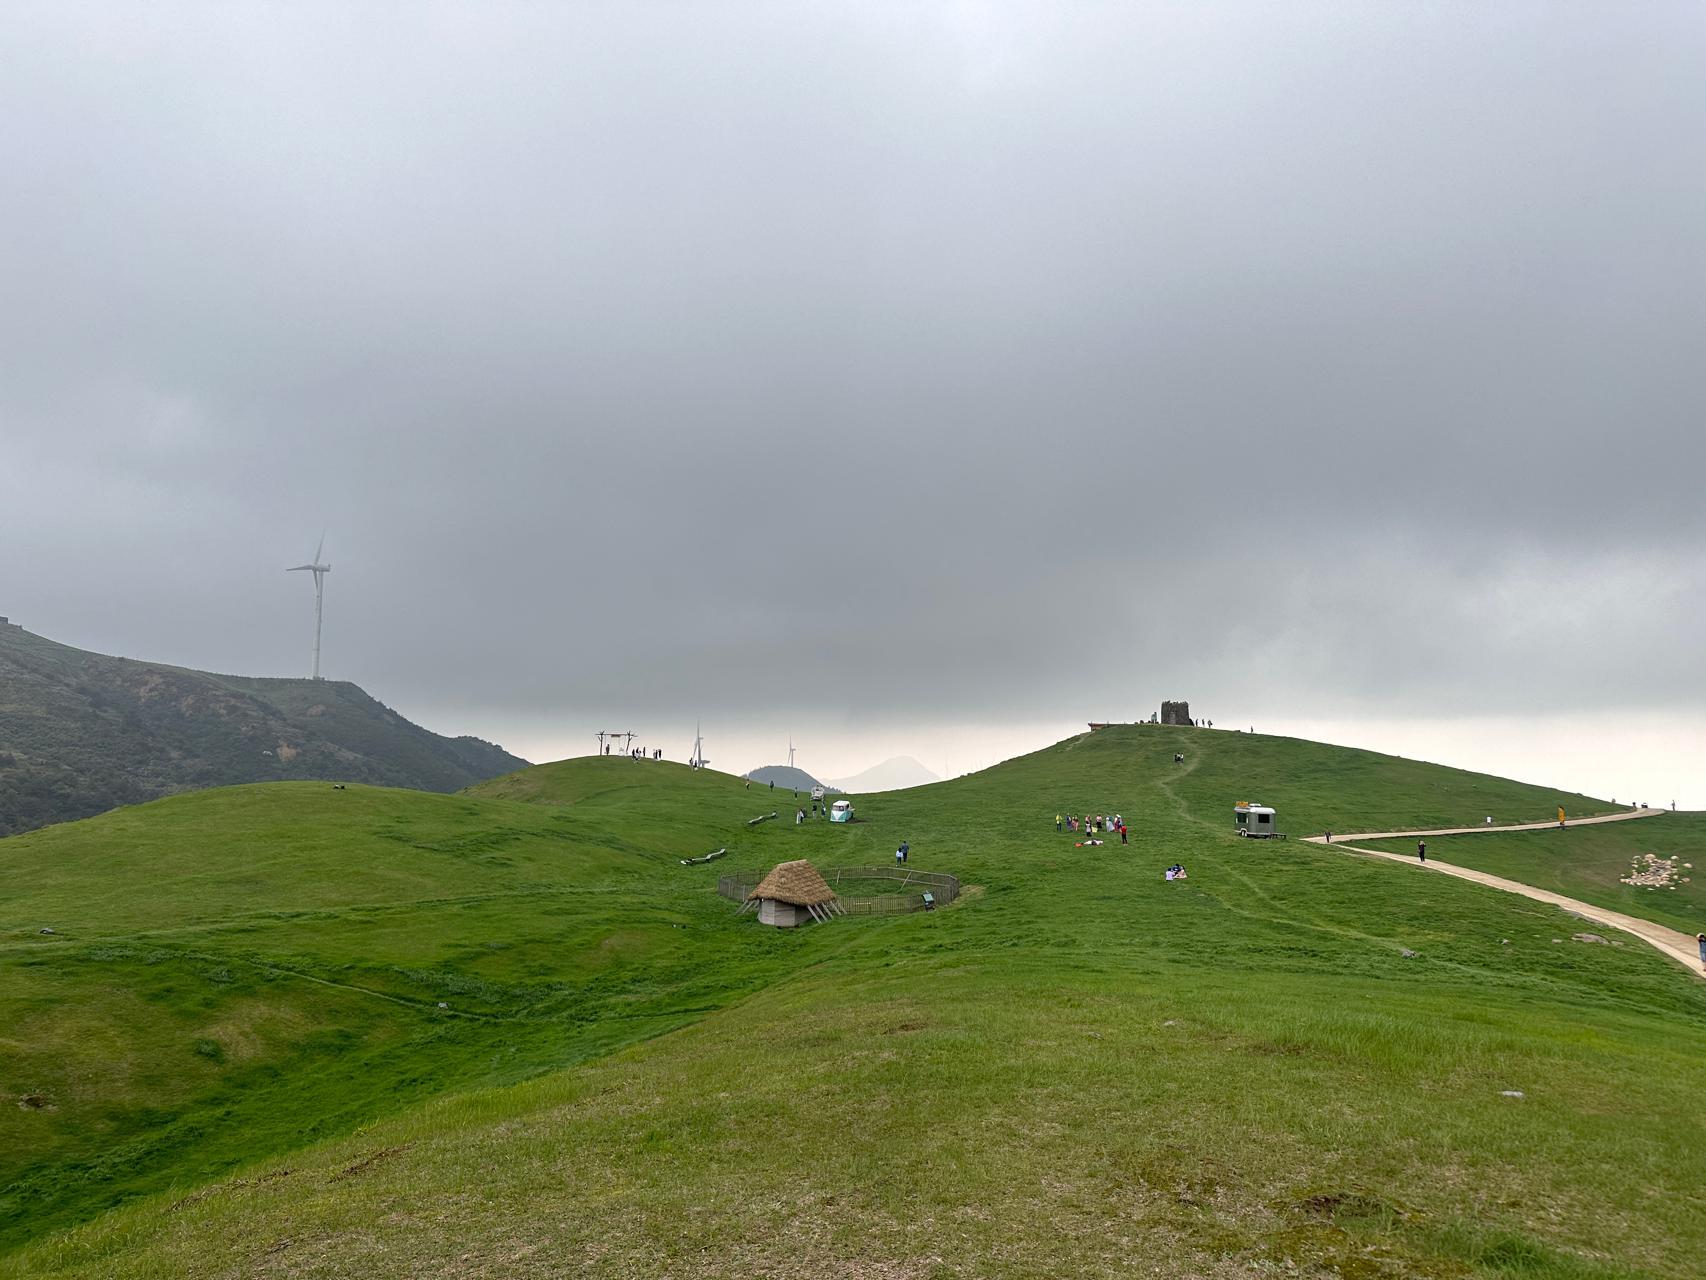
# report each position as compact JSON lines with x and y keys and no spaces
{"x":1469,"y":831}
{"x":1671,"y":942}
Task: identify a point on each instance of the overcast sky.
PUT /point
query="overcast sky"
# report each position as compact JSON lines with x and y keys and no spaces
{"x":914,"y":378}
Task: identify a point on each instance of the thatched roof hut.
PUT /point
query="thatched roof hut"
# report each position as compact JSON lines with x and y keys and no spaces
{"x":792,"y":892}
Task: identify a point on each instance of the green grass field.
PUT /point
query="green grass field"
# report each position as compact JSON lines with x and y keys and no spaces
{"x":1590,"y":863}
{"x":1294,"y":1063}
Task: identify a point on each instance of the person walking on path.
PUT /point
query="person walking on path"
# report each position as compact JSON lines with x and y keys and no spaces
{"x":1701,"y":939}
{"x":1421,"y":850}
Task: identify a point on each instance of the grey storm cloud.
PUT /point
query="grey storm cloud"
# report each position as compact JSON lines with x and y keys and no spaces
{"x":972,"y":360}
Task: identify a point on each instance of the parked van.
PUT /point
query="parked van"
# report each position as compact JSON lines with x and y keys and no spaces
{"x":841,"y":811}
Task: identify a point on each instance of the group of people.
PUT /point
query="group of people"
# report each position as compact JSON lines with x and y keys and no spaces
{"x":1095,"y":823}
{"x":1100,"y":824}
{"x":639,"y":753}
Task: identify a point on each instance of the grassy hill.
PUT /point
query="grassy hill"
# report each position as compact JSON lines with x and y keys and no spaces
{"x":81,"y":733}
{"x":1295,"y":1062}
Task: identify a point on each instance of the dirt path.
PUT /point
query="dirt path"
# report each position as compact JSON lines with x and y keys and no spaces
{"x":1677,"y":945}
{"x":1469,"y":831}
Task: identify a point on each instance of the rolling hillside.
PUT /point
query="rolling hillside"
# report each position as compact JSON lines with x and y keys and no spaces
{"x":1592,"y":864}
{"x":81,"y":733}
{"x":287,"y":1030}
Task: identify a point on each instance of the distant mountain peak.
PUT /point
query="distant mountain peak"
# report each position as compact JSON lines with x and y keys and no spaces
{"x":894,"y":774}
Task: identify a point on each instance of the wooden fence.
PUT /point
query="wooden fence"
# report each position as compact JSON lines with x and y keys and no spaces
{"x":914,"y":885}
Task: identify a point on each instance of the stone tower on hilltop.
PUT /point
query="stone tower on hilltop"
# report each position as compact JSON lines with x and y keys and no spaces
{"x":1176,"y":713}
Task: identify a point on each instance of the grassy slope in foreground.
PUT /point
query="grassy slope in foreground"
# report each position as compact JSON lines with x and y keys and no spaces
{"x":235,"y":972}
{"x":1079,"y":1069}
{"x":1589,"y":863}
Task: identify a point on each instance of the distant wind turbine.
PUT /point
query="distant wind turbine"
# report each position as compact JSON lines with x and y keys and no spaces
{"x":319,"y":571}
{"x":790,"y":751}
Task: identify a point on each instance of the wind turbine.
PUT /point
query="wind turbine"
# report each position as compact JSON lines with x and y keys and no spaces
{"x":790,"y":751}
{"x":319,"y":571}
{"x":698,"y":761}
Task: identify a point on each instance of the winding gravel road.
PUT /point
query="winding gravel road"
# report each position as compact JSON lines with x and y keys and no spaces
{"x":1677,"y":945}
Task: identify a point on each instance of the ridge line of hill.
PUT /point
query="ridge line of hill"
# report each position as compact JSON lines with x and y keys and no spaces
{"x":84,"y":732}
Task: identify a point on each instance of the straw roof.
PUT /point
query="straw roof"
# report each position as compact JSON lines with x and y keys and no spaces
{"x":796,"y":883}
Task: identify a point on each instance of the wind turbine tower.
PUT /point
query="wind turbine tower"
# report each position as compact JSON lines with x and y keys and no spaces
{"x":319,"y":571}
{"x":698,"y":761}
{"x":790,"y":751}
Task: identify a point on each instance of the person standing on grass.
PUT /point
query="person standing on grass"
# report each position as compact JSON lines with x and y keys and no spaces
{"x":1123,"y":840}
{"x":1057,"y":821}
{"x":1421,"y":851}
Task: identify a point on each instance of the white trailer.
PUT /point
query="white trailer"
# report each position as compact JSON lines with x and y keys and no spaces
{"x":1254,"y":820}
